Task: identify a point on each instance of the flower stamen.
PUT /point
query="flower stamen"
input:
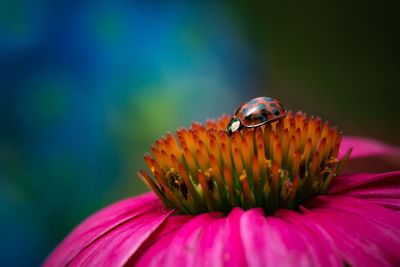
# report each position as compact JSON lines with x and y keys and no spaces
{"x":278,"y":165}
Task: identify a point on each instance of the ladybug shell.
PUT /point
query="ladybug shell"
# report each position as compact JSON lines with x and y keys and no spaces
{"x":259,"y":111}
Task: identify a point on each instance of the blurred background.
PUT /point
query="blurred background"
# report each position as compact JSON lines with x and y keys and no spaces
{"x":87,"y":86}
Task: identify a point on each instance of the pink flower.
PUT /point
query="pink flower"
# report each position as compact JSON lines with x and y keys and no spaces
{"x":356,"y":222}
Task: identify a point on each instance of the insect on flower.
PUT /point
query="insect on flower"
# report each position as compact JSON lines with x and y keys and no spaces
{"x":272,"y":195}
{"x":256,"y":112}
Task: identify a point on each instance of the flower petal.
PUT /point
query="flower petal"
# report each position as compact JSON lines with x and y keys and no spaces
{"x":206,"y":240}
{"x":150,"y":250}
{"x":318,"y":241}
{"x":221,"y":243}
{"x":273,"y":241}
{"x":178,"y":247}
{"x":383,"y":188}
{"x":155,"y":254}
{"x":364,"y":147}
{"x":369,"y":155}
{"x":138,"y":216}
{"x":365,"y":234}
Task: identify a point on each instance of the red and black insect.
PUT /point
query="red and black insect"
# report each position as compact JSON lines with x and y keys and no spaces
{"x":256,"y":112}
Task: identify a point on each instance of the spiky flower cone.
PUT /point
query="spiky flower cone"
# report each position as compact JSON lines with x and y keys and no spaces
{"x":278,"y":165}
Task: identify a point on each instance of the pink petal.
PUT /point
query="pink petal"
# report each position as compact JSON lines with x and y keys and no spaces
{"x":364,"y":147}
{"x":205,"y":240}
{"x":221,"y":244}
{"x":365,"y":234}
{"x":186,"y":243}
{"x":369,"y":155}
{"x":144,"y":213}
{"x":318,"y":241}
{"x":383,"y":189}
{"x":272,"y":241}
{"x":154,"y":255}
{"x":160,"y":239}
{"x":179,"y":247}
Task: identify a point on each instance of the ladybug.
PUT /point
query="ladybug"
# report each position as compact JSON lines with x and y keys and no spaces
{"x":256,"y":112}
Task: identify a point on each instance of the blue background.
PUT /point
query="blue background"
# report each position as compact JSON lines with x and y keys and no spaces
{"x":87,"y":86}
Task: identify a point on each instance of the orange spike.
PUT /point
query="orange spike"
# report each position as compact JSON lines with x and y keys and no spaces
{"x":248,"y":195}
{"x":258,"y":133}
{"x":151,"y":164}
{"x":307,"y":151}
{"x":296,"y":163}
{"x":304,"y":132}
{"x":321,"y":149}
{"x":247,"y":150}
{"x":160,"y":143}
{"x":153,"y":186}
{"x":292,"y":128}
{"x":190,"y":161}
{"x":214,"y":150}
{"x":286,"y":121}
{"x":223,"y":138}
{"x":314,"y":164}
{"x":171,"y":196}
{"x":160,"y":180}
{"x":201,"y":158}
{"x":229,"y":183}
{"x":292,"y":193}
{"x":206,"y":190}
{"x":292,"y":149}
{"x":315,"y":137}
{"x":325,"y":130}
{"x":285,"y":144}
{"x":216,"y":172}
{"x":299,"y":119}
{"x":329,"y":143}
{"x":297,"y":137}
{"x":158,"y":157}
{"x":172,"y":142}
{"x":192,"y":191}
{"x":279,"y":127}
{"x":278,"y":153}
{"x":260,"y":146}
{"x":211,"y":124}
{"x":237,"y":160}
{"x":203,"y":135}
{"x":261,"y":160}
{"x":335,"y":151}
{"x":267,"y":141}
{"x":275,"y":177}
{"x":271,"y":143}
{"x":256,"y":170}
{"x":187,"y":140}
{"x":311,"y":126}
{"x":226,"y":156}
{"x":166,"y":159}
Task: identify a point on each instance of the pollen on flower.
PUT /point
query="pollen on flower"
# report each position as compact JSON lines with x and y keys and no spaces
{"x":277,"y":165}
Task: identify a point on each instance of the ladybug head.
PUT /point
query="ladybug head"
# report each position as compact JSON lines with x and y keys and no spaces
{"x":233,"y":126}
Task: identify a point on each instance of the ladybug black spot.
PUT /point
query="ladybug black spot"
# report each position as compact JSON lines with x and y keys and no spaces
{"x":268,"y":99}
{"x":248,"y":117}
{"x":263,"y":117}
{"x":273,"y":105}
{"x":253,"y":101}
{"x":275,"y":112}
{"x":262,"y":107}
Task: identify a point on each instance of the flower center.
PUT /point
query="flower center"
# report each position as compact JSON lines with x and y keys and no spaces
{"x":278,"y":165}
